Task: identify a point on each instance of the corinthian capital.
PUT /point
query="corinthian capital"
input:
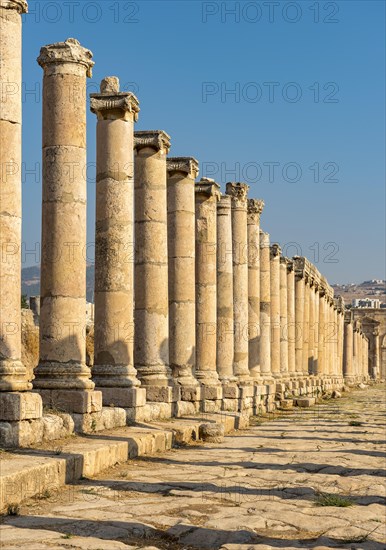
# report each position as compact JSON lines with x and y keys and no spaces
{"x":186,"y":165}
{"x":208,"y":188}
{"x":20,"y":6}
{"x":239,"y":192}
{"x":156,"y":139}
{"x":111,"y":103}
{"x":275,"y":250}
{"x":255,"y":208}
{"x":69,"y":51}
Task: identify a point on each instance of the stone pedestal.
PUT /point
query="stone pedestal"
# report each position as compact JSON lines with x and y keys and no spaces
{"x":62,"y":377}
{"x":238,"y":192}
{"x":151,"y":350}
{"x":255,"y":208}
{"x":207,"y":194}
{"x":181,"y":173}
{"x":265,"y":308}
{"x":284,"y":370}
{"x":113,"y":372}
{"x":275,"y":310}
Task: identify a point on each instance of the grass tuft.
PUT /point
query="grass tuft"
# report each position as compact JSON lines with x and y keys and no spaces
{"x":328,"y":499}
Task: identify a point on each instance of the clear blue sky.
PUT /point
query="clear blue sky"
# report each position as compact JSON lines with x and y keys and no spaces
{"x":322,"y":117}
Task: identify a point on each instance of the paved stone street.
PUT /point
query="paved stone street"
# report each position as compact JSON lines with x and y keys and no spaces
{"x":259,"y":489}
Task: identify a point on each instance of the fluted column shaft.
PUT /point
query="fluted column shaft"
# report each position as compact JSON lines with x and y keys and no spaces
{"x":151,"y":344}
{"x":181,"y":173}
{"x":238,"y":192}
{"x":255,"y":208}
{"x":207,"y":196}
{"x":225,"y":329}
{"x":265,"y":307}
{"x":13,"y":374}
{"x":62,"y":363}
{"x":113,"y":289}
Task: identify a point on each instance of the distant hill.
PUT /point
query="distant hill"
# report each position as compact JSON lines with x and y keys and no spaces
{"x":30,"y":281}
{"x":373,"y":289}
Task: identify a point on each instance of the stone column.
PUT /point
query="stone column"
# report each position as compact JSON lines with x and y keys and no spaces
{"x":265,"y":308}
{"x":291,"y":322}
{"x":207,"y":196}
{"x":283,"y":318}
{"x":306,"y":325}
{"x":151,"y":341}
{"x":181,"y":173}
{"x":13,"y":374}
{"x":238,"y":192}
{"x":275,"y":310}
{"x":225,"y":331}
{"x":377,"y":356}
{"x":19,"y":409}
{"x":299,"y":318}
{"x":321,"y":333}
{"x":62,"y":377}
{"x":348,"y":373}
{"x":311,"y":328}
{"x":255,"y":208}
{"x":113,"y":371}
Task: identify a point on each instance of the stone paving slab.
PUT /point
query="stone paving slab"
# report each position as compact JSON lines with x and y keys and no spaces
{"x":259,"y":489}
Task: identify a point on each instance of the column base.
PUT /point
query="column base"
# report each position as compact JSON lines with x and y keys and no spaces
{"x":115,"y":376}
{"x":13,"y":376}
{"x":53,"y":375}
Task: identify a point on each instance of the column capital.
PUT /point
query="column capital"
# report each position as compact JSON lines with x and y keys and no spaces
{"x":290,"y":265}
{"x":20,"y":6}
{"x":69,"y":51}
{"x":255,"y":208}
{"x":156,"y":139}
{"x":239,"y":192}
{"x":264,"y":239}
{"x":275,"y":251}
{"x":347,"y":316}
{"x":186,"y":165}
{"x":111,"y":103}
{"x":208,"y":188}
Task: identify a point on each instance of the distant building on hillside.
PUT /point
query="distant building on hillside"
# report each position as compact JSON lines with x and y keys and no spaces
{"x":366,"y":302}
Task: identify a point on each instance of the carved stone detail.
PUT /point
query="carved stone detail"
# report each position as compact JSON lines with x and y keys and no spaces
{"x":111,"y":99}
{"x":208,"y":187}
{"x":239,"y":192}
{"x":69,"y":51}
{"x":186,"y":165}
{"x":157,"y":139}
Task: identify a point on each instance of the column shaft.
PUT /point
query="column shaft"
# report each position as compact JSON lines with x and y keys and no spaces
{"x":299,"y":320}
{"x":181,"y":173}
{"x":13,"y":374}
{"x":291,"y":322}
{"x":283,"y":318}
{"x":225,"y":331}
{"x":306,"y":327}
{"x":275,"y":310}
{"x":265,"y":307}
{"x":207,"y":196}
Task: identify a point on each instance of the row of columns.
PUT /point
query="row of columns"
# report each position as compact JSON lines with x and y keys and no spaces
{"x":356,"y":351}
{"x":189,"y":293}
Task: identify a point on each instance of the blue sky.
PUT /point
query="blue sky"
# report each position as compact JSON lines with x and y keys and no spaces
{"x":304,"y":125}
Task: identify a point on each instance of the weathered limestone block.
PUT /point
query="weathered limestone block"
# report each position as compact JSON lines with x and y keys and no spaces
{"x":105,"y":419}
{"x":212,"y":432}
{"x":20,"y":406}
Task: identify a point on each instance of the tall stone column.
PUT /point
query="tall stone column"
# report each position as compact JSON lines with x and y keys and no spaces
{"x":225,"y":330}
{"x":306,"y":325}
{"x":181,"y":173}
{"x":377,"y":356}
{"x":291,"y":319}
{"x":207,"y":196}
{"x":151,"y":341}
{"x":238,"y":192}
{"x":13,"y":374}
{"x":265,"y":307}
{"x":316,"y":329}
{"x":275,"y":310}
{"x":113,"y":371}
{"x":62,"y":377}
{"x":311,"y":328}
{"x":284,"y":342}
{"x":321,"y":333}
{"x":255,"y":208}
{"x":348,"y":373}
{"x":299,"y":317}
